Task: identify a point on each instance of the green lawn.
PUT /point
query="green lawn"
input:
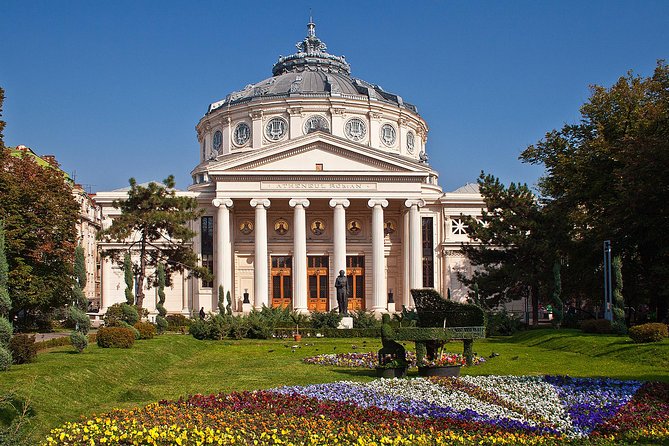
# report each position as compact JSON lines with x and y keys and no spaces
{"x":62,"y":385}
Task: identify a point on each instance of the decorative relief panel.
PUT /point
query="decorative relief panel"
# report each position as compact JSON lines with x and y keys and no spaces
{"x":242,"y":134}
{"x":276,"y":129}
{"x":355,"y":129}
{"x":317,"y":227}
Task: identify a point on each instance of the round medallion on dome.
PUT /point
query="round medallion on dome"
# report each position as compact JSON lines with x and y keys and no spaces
{"x":276,"y":129}
{"x":218,"y":140}
{"x":388,"y":135}
{"x":411,"y":142}
{"x":242,"y":134}
{"x":355,"y":129}
{"x":316,"y":123}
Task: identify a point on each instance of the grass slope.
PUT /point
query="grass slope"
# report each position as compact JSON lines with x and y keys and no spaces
{"x":62,"y":385}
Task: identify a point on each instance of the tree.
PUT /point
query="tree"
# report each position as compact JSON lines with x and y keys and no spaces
{"x":161,"y":321}
{"x":128,"y":275}
{"x":154,"y":223}
{"x":509,"y":246}
{"x":40,"y":217}
{"x":80,"y":299}
{"x":607,"y":177}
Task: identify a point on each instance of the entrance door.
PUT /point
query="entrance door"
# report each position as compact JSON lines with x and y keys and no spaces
{"x":282,"y":293}
{"x":318,"y":273}
{"x":355,"y":272}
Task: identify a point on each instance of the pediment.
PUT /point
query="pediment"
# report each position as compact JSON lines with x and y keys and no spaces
{"x":305,"y":154}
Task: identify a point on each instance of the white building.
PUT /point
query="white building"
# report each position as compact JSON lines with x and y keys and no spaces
{"x":307,"y":173}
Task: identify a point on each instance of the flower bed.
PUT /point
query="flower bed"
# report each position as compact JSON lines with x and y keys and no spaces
{"x":463,"y":411}
{"x":370,"y":360}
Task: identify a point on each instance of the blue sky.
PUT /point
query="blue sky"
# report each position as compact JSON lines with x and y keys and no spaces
{"x":114,"y":89}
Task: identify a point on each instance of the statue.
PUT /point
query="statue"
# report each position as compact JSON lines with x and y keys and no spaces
{"x":341,"y":283}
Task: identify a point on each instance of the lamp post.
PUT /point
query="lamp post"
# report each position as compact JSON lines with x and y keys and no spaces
{"x":608,"y":313}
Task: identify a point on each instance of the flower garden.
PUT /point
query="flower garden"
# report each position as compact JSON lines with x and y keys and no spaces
{"x":370,"y":360}
{"x":472,"y":410}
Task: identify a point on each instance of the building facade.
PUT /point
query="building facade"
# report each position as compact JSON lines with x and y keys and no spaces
{"x":304,"y":174}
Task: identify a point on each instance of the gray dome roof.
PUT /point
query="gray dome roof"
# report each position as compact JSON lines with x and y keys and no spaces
{"x":311,"y":72}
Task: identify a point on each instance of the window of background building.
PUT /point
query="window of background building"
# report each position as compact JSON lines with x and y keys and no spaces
{"x":428,"y":252}
{"x":207,"y":247}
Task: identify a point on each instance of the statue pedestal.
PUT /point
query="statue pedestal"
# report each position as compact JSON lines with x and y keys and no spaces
{"x":346,"y":322}
{"x":246,"y":308}
{"x":391,"y":308}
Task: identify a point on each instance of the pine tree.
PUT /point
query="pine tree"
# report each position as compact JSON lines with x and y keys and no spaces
{"x":157,"y":219}
{"x":228,"y":307}
{"x":618,"y":300}
{"x":80,"y":299}
{"x":221,"y":300}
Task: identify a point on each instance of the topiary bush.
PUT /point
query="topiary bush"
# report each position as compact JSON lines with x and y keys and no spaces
{"x":118,"y":313}
{"x":146,"y":330}
{"x":5,"y":358}
{"x":597,"y":326}
{"x":433,"y":311}
{"x":79,"y":341}
{"x":23,"y":348}
{"x":652,"y":332}
{"x":78,"y":320}
{"x":115,"y":337}
{"x":502,"y":323}
{"x":6,"y":331}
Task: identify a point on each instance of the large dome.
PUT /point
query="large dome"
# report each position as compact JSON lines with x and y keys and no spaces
{"x":311,"y":72}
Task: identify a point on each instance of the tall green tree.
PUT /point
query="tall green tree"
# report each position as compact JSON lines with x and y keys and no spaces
{"x":509,"y":245}
{"x":607,"y":177}
{"x":5,"y":301}
{"x":128,"y":275}
{"x":154,"y":223}
{"x":40,"y":216}
{"x":80,"y":299}
{"x":161,"y":321}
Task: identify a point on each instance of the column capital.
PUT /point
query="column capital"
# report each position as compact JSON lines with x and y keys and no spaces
{"x":377,"y":202}
{"x":415,"y":202}
{"x":299,"y":202}
{"x":340,"y":202}
{"x":218,"y":202}
{"x":257,"y":202}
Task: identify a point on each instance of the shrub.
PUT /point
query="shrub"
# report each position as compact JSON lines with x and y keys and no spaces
{"x":502,"y":323}
{"x":115,"y":337}
{"x":5,"y":358}
{"x":79,"y":341}
{"x":118,"y":313}
{"x":365,"y":319}
{"x":329,"y":319}
{"x":5,"y":302}
{"x":146,"y":330}
{"x":6,"y":331}
{"x":652,"y":332}
{"x":134,"y":331}
{"x":199,"y":329}
{"x":176,"y":321}
{"x":23,"y":348}
{"x":78,"y":320}
{"x":598,"y":326}
{"x":161,"y":324}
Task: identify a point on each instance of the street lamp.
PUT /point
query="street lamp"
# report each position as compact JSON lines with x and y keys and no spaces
{"x":608,"y":313}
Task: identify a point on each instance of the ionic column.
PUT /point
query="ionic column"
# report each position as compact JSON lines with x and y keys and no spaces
{"x":415,"y":255}
{"x":379,"y":302}
{"x":223,"y":273}
{"x":299,"y":254}
{"x":260,"y":263}
{"x":339,"y":257}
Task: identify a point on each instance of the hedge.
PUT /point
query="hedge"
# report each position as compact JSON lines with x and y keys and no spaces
{"x":597,"y":326}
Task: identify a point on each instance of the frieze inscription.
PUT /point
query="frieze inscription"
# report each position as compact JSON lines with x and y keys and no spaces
{"x":266,"y":185}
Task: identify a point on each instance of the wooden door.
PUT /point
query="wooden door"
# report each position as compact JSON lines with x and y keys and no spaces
{"x":355,"y":272}
{"x":282,"y":292}
{"x":319,"y":288}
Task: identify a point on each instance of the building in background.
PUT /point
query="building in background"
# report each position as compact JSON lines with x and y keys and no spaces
{"x":306,"y":173}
